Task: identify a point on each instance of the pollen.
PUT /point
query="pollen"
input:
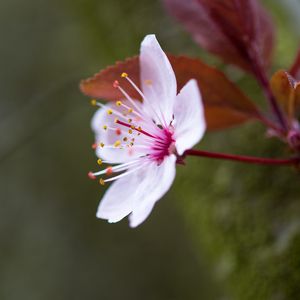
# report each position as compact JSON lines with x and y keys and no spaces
{"x":93,"y":102}
{"x":109,"y":111}
{"x":101,"y":145}
{"x":130,"y":131}
{"x":116,"y":84}
{"x":119,"y":103}
{"x":125,"y":139}
{"x":129,"y":120}
{"x":91,"y":175}
{"x":130,"y":110}
{"x":105,"y":127}
{"x":118,"y":131}
{"x":132,"y":127}
{"x":139,"y":128}
{"x":99,"y":161}
{"x":117,"y":143}
{"x":124,"y":75}
{"x":101,"y":181}
{"x":108,"y":171}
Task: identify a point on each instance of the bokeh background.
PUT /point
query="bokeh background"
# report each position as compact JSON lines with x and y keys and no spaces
{"x":224,"y":231}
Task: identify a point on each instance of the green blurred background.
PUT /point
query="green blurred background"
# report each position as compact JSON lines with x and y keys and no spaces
{"x":224,"y":231}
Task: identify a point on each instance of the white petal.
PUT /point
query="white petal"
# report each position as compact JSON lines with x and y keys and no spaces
{"x":189,"y":120}
{"x":137,"y":191}
{"x":156,"y":68}
{"x":108,"y":137}
{"x":162,"y":177}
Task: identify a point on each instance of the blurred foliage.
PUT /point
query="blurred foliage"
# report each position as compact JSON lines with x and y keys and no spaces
{"x":52,"y":245}
{"x":242,"y":227}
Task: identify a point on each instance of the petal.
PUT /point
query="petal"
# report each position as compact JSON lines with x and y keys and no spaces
{"x":137,"y":192}
{"x":108,"y":137}
{"x":156,"y":69}
{"x":189,"y":120}
{"x":162,"y":177}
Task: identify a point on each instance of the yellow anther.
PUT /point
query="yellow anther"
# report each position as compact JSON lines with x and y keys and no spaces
{"x":129,"y":120}
{"x":148,"y":82}
{"x":139,"y":133}
{"x":125,"y":139}
{"x":139,"y":128}
{"x":131,"y":143}
{"x":132,"y":126}
{"x":130,"y":110}
{"x":133,"y":139}
{"x":101,"y":181}
{"x":101,"y":145}
{"x":116,"y":120}
{"x":109,"y":111}
{"x":130,"y":131}
{"x":99,"y":161}
{"x":124,"y":75}
{"x":119,"y":103}
{"x":117,"y":143}
{"x":93,"y":102}
{"x":104,"y":127}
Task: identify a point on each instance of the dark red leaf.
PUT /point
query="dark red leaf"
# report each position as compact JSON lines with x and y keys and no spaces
{"x":225,"y":105}
{"x":239,"y":31}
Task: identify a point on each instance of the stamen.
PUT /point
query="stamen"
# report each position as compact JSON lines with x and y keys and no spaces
{"x":101,"y":181}
{"x":109,"y":111}
{"x":144,"y":97}
{"x":125,"y":174}
{"x":117,"y":143}
{"x":109,"y":170}
{"x":93,"y":102}
{"x":118,"y":131}
{"x":133,"y":127}
{"x":99,"y":161}
{"x":94,"y":146}
{"x":91,"y":175}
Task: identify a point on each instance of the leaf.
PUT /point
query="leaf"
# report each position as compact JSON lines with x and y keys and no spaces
{"x":225,"y":104}
{"x":286,"y":91}
{"x":295,"y":69}
{"x":240,"y":32}
{"x":101,"y":84}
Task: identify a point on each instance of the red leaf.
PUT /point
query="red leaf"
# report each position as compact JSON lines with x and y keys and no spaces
{"x":238,"y":31}
{"x":295,"y":69}
{"x":225,"y":105}
{"x":287,"y":92}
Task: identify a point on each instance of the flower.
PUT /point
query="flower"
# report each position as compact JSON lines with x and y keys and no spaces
{"x":140,"y":141}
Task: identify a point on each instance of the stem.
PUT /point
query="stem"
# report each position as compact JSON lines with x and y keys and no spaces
{"x":261,"y":77}
{"x":245,"y":159}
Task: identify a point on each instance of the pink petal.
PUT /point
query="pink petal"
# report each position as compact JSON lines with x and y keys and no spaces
{"x":137,"y":192}
{"x":189,"y":117}
{"x":160,"y":179}
{"x":157,"y":70}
